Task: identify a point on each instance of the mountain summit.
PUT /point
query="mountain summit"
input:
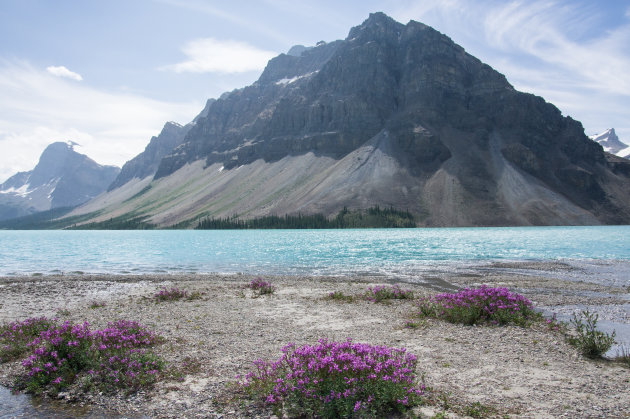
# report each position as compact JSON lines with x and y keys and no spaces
{"x":611,"y":143}
{"x":62,"y":178}
{"x":394,"y":115}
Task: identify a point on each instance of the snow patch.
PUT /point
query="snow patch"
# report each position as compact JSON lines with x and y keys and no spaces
{"x":21,"y":191}
{"x":287,"y":81}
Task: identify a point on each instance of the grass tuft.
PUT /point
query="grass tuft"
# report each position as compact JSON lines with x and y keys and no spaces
{"x":174,"y":294}
{"x":97,"y":304}
{"x":340,"y":297}
{"x":261,"y":287}
{"x":381,"y":293}
{"x":591,"y":342}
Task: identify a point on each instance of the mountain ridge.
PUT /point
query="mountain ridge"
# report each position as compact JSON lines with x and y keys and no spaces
{"x":394,"y":115}
{"x":61,"y":178}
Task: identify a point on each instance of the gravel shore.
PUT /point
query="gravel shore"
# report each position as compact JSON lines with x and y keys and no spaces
{"x":510,"y":371}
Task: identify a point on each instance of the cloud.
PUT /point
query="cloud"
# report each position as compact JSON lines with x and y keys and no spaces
{"x":554,"y":33}
{"x":236,"y":18}
{"x":209,"y":55}
{"x":111,"y":127}
{"x":62,"y":71}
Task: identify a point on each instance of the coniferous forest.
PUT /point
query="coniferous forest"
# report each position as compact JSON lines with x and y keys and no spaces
{"x":373,"y":217}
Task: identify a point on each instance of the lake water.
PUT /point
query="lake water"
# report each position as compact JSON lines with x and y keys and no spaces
{"x":400,"y":253}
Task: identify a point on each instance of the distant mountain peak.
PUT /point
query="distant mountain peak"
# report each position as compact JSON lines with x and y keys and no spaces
{"x":61,"y":178}
{"x":611,"y":143}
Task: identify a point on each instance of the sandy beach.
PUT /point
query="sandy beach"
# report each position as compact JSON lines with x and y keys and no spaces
{"x":513,"y":371}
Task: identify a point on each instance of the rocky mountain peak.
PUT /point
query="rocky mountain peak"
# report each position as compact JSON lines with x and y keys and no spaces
{"x":292,"y":65}
{"x":610,"y":141}
{"x":378,"y":25}
{"x":53,"y":161}
{"x":61,"y":178}
{"x":146,"y":163}
{"x":297,"y":50}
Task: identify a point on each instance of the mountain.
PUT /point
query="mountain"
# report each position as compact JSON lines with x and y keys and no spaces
{"x":394,"y":115}
{"x":611,"y":143}
{"x":146,"y":163}
{"x":62,"y":178}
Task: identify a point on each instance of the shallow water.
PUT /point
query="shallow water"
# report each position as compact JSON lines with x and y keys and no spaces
{"x":24,"y":406}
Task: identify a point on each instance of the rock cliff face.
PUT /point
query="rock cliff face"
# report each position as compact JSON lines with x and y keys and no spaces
{"x":62,"y":178}
{"x":394,"y":115}
{"x":146,"y":163}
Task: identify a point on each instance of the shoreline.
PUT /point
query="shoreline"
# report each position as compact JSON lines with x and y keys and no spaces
{"x":517,"y":372}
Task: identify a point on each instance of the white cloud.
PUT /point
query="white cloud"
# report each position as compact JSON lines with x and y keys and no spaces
{"x":543,"y":30}
{"x":209,"y":55}
{"x":62,"y":71}
{"x":236,"y":18}
{"x":111,"y":127}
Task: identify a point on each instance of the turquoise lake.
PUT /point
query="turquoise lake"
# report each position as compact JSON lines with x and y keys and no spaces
{"x":398,"y":253}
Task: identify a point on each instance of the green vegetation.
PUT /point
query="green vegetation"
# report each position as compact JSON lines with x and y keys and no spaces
{"x":374,"y":217}
{"x":381,"y":293}
{"x":45,"y":220}
{"x":339,"y":296}
{"x":97,"y":304}
{"x":16,"y":336}
{"x":497,"y":306}
{"x":623,"y":356}
{"x":337,"y":380}
{"x":590,"y":341}
{"x":117,"y":223}
{"x":261,"y":287}
{"x":478,"y":410}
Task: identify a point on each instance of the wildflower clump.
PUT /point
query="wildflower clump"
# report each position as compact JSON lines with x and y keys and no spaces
{"x":261,"y":287}
{"x":590,"y":341}
{"x":173,"y":294}
{"x":15,"y":336}
{"x":477,"y":305}
{"x":381,"y":293}
{"x":339,"y":296}
{"x":115,"y":357}
{"x":97,"y":304}
{"x":337,"y":379}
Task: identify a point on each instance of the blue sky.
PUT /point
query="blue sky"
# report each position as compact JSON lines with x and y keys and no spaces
{"x":109,"y":74}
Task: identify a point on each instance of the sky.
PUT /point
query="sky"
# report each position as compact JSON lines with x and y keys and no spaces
{"x":108,"y":74}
